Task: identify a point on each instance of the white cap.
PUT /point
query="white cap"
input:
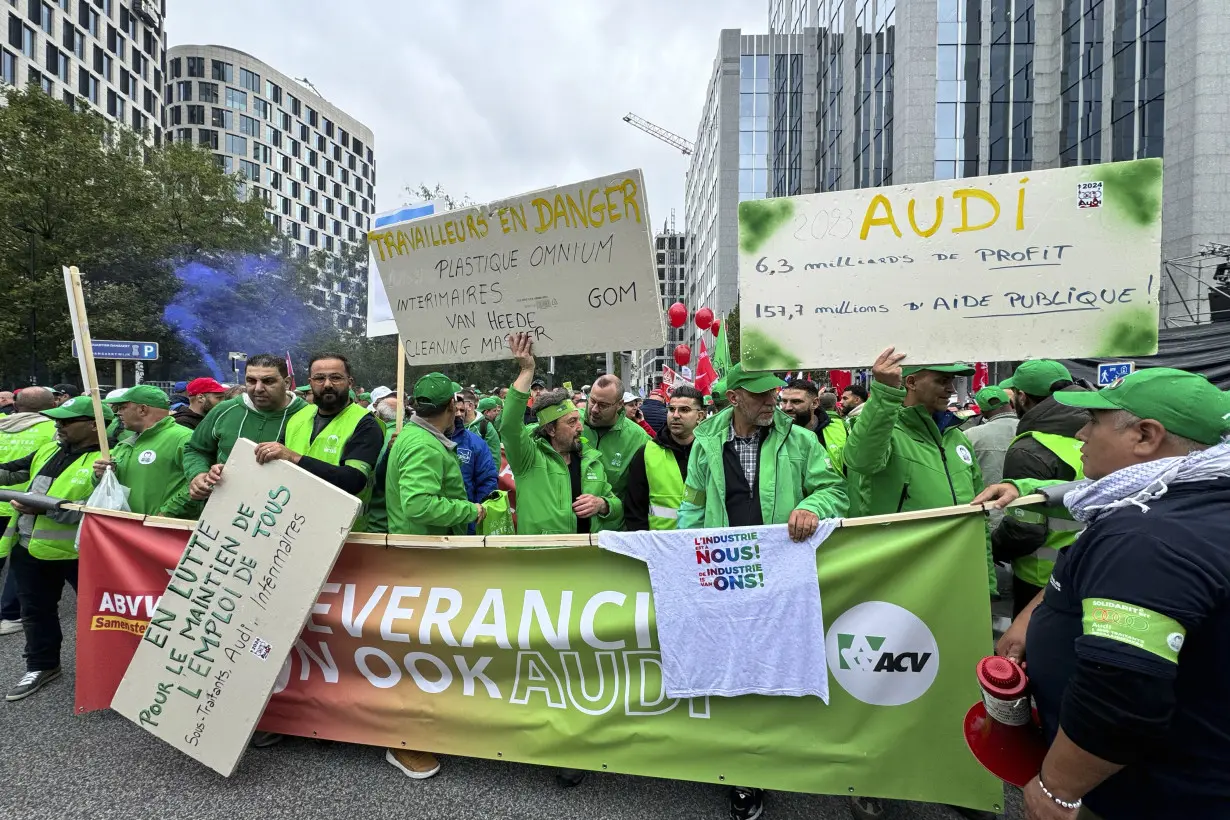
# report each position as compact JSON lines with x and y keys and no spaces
{"x":380,"y":393}
{"x":629,"y":397}
{"x":115,"y":394}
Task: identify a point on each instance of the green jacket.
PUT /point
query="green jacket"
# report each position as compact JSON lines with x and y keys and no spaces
{"x":544,"y":488}
{"x":795,"y":474}
{"x":491,"y":436}
{"x":229,"y":421}
{"x":616,"y":445}
{"x":20,"y":435}
{"x":424,"y":493}
{"x":151,"y":466}
{"x":898,"y":460}
{"x":378,"y":511}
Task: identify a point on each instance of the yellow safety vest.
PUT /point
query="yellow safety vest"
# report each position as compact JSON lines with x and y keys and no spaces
{"x":1035,"y":569}
{"x":50,"y":540}
{"x":329,"y":444}
{"x":19,"y":445}
{"x":835,"y":435}
{"x":665,"y":487}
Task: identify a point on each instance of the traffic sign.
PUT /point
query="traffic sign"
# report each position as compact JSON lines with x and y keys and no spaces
{"x":1109,"y":371}
{"x":128,"y":351}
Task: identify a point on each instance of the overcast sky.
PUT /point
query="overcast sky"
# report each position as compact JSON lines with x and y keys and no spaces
{"x":497,"y":97}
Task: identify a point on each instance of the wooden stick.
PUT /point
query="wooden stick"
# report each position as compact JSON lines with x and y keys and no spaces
{"x":86,"y":350}
{"x":401,"y":382}
{"x":453,"y":542}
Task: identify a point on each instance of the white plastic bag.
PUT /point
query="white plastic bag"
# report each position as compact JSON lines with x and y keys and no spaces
{"x":110,"y":494}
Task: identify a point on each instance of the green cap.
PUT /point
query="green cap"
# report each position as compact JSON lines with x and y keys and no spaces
{"x":81,"y":407}
{"x":955,"y":369}
{"x":556,"y":411}
{"x":457,"y":388}
{"x":145,"y":394}
{"x":303,"y":388}
{"x":434,"y":391}
{"x":1186,"y":404}
{"x":719,"y":387}
{"x":489,"y":403}
{"x":752,"y":381}
{"x":1035,"y":377}
{"x":365,"y":396}
{"x":990,"y":397}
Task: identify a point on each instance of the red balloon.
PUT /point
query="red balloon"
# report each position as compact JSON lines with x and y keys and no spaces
{"x":716,"y":326}
{"x":704,"y":318}
{"x":678,"y":314}
{"x":683,"y":355}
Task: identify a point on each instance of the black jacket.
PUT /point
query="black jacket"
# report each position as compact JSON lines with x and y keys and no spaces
{"x":636,"y":500}
{"x":188,"y":417}
{"x":1129,"y":653}
{"x":1029,"y":459}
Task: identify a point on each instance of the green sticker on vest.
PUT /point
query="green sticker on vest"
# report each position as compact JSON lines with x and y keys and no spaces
{"x":1133,"y":625}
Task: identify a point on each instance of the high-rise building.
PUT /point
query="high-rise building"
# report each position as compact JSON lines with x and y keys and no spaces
{"x":1010,"y":86}
{"x":750,"y":117}
{"x":311,"y":162}
{"x":108,"y":55}
{"x":670,"y":260}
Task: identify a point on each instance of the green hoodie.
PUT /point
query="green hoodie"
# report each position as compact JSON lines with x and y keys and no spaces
{"x":795,"y":474}
{"x":424,"y":491}
{"x":151,"y":466}
{"x":229,"y":421}
{"x":617,"y":445}
{"x":544,"y":488}
{"x":492,"y":436}
{"x":898,"y":460}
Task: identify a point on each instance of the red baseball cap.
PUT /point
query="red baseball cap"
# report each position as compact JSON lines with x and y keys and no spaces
{"x":197,"y":387}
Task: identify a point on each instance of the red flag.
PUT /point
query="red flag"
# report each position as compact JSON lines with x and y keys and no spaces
{"x":840,"y":379}
{"x":706,"y":375}
{"x":668,"y":378}
{"x":981,"y":376}
{"x":290,"y":371}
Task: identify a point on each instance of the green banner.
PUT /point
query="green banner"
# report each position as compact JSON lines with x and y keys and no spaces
{"x":549,"y":656}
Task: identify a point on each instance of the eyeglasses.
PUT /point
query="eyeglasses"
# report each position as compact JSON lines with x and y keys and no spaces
{"x":331,"y":379}
{"x":601,"y":405}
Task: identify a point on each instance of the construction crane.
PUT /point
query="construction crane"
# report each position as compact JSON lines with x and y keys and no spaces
{"x":671,"y":139}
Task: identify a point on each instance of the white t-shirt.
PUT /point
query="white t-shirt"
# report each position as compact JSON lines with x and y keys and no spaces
{"x":738,"y":609}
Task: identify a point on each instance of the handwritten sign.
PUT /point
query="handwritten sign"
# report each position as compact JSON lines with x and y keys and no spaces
{"x":556,"y":263}
{"x":1059,"y":263}
{"x":234,"y":605}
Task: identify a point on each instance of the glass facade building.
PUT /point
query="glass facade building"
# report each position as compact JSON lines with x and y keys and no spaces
{"x":312,"y":163}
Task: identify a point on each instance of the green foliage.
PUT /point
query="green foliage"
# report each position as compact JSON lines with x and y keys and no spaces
{"x":731,"y":325}
{"x":76,"y":190}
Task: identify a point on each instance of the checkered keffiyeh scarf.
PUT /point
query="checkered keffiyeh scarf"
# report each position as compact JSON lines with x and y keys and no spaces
{"x":1136,"y":485}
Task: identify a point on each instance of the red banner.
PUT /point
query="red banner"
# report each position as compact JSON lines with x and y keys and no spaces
{"x":840,"y":380}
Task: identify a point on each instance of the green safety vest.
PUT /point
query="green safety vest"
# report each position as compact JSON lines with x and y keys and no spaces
{"x":835,"y":435}
{"x":49,"y":540}
{"x":329,"y":444}
{"x":19,"y":445}
{"x":1035,"y":569}
{"x":665,"y":487}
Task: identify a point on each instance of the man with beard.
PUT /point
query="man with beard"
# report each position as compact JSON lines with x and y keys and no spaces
{"x":658,"y":470}
{"x":259,"y":414}
{"x":852,"y":400}
{"x":1045,"y":449}
{"x":204,"y":394}
{"x":801,"y":401}
{"x":553,"y":458}
{"x":608,"y":430}
{"x":335,"y":439}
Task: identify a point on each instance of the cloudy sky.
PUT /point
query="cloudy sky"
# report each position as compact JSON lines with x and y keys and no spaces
{"x":496,"y":97}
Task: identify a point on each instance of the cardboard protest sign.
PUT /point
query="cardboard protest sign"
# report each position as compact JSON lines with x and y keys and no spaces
{"x":556,"y":263}
{"x":234,"y":606}
{"x":1060,"y":263}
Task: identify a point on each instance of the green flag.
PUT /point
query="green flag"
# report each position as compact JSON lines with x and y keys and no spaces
{"x":721,"y":353}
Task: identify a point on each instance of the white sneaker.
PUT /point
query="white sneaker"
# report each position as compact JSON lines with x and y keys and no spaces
{"x":8,"y":627}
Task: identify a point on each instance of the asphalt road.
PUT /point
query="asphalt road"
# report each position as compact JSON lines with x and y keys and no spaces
{"x":100,"y":766}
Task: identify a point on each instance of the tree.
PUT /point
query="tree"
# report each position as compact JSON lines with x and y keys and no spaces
{"x":78,"y":190}
{"x":731,"y":324}
{"x":424,"y":194}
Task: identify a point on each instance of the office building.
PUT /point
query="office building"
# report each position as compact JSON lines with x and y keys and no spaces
{"x":1009,"y":86}
{"x":311,"y":162}
{"x":108,"y":55}
{"x":670,"y":260}
{"x":737,"y":140}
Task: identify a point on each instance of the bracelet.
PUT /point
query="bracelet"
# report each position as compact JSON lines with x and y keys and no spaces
{"x":1071,"y":806}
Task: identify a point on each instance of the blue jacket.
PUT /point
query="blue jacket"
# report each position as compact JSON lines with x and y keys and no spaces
{"x":478,"y":469}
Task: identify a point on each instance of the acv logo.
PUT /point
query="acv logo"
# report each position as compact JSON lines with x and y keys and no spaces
{"x":882,"y":654}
